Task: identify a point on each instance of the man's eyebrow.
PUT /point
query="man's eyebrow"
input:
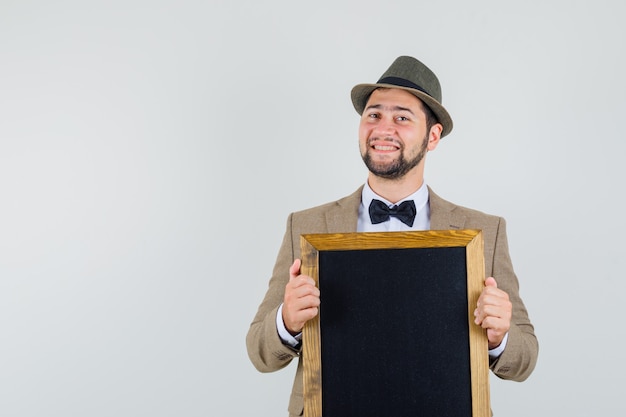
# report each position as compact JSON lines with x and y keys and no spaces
{"x":392,"y":108}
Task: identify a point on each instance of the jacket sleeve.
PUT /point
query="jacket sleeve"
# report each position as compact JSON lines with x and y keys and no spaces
{"x":519,"y":357}
{"x":265,"y":348}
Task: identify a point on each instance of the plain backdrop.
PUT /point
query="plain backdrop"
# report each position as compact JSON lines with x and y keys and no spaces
{"x":151,"y":151}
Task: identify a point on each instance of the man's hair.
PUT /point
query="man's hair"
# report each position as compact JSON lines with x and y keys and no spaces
{"x":431,"y":119}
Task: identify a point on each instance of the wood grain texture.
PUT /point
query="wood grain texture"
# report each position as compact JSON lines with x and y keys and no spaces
{"x":391,"y":240}
{"x":311,"y":344}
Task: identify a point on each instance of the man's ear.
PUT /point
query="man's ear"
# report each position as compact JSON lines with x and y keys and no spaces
{"x":434,"y":136}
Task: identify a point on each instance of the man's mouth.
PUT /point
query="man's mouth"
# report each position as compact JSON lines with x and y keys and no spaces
{"x":385,"y":147}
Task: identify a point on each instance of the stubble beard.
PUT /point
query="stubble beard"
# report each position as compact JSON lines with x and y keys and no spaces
{"x":397,"y":168}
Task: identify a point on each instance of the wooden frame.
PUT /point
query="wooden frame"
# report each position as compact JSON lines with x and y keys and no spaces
{"x":393,"y":249}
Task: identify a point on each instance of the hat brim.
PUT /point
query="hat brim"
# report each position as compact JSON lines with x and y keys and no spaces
{"x":361,"y":92}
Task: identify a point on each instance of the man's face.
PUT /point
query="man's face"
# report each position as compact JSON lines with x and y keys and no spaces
{"x":393,"y":136}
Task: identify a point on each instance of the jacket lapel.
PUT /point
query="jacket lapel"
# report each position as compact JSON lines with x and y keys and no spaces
{"x":343,"y":216}
{"x":442,"y":214}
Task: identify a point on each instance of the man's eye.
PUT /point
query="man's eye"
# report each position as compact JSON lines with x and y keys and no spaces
{"x":402,"y":118}
{"x":373,"y":116}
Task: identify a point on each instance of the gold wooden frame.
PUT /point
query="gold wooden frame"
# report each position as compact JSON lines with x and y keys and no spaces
{"x":471,"y":240}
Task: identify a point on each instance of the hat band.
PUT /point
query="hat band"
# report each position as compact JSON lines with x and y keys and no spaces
{"x":401,"y":82}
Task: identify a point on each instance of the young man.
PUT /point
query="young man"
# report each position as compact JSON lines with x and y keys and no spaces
{"x":402,"y":119}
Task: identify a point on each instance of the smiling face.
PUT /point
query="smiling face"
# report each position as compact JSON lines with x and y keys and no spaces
{"x":393,"y":134}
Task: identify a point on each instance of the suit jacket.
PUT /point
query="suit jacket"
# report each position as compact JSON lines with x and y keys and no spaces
{"x":268,"y":353}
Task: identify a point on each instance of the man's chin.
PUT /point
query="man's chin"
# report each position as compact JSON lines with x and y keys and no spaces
{"x":385,"y":172}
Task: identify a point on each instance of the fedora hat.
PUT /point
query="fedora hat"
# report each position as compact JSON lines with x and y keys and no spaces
{"x":409,"y":74}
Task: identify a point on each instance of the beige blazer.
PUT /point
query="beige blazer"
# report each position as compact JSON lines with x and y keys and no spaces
{"x":268,"y":353}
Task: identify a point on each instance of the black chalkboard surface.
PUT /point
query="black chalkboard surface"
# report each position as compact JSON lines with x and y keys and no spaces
{"x":394,"y":336}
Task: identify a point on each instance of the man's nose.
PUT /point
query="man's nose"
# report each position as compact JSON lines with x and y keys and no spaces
{"x":385,"y":126}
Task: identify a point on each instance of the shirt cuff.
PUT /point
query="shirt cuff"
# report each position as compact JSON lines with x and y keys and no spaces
{"x":283,"y":333}
{"x":497,"y":351}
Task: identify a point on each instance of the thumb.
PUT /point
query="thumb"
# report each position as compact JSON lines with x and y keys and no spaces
{"x":491,"y":282}
{"x":294,"y":269}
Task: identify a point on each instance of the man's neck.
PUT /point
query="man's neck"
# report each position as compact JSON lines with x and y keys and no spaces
{"x":395,"y":190}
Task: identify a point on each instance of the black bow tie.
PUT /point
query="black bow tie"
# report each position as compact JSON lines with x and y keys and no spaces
{"x":405,"y":212}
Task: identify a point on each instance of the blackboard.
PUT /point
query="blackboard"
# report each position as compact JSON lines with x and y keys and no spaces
{"x":395,"y":333}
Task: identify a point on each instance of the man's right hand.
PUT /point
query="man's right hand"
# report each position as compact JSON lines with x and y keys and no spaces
{"x":302,"y":300}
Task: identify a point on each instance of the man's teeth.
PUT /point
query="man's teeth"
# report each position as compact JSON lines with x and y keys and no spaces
{"x":384,"y":148}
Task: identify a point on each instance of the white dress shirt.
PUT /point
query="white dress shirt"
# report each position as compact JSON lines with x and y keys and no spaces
{"x":422,"y":216}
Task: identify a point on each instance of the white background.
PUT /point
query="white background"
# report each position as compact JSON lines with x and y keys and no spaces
{"x":150,"y":152}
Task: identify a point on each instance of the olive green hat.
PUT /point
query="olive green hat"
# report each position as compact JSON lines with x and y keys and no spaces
{"x":409,"y":74}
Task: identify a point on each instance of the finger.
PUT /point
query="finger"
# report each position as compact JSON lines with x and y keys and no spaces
{"x":480,"y":315}
{"x":485,"y":309}
{"x":300,"y":319}
{"x":299,"y":311}
{"x":294,"y":269}
{"x":491,"y":282}
{"x":486,"y":313}
{"x":302,"y":289}
{"x":495,"y":325}
{"x":494,"y":297}
{"x":308,"y":313}
{"x":309,"y":301}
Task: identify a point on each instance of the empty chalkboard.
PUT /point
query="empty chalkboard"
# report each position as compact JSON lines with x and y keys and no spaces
{"x":395,"y":333}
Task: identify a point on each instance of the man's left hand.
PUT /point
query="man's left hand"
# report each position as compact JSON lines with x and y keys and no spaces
{"x":493,"y":312}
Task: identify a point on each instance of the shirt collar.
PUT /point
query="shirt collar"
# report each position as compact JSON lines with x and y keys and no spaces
{"x":419,"y":197}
